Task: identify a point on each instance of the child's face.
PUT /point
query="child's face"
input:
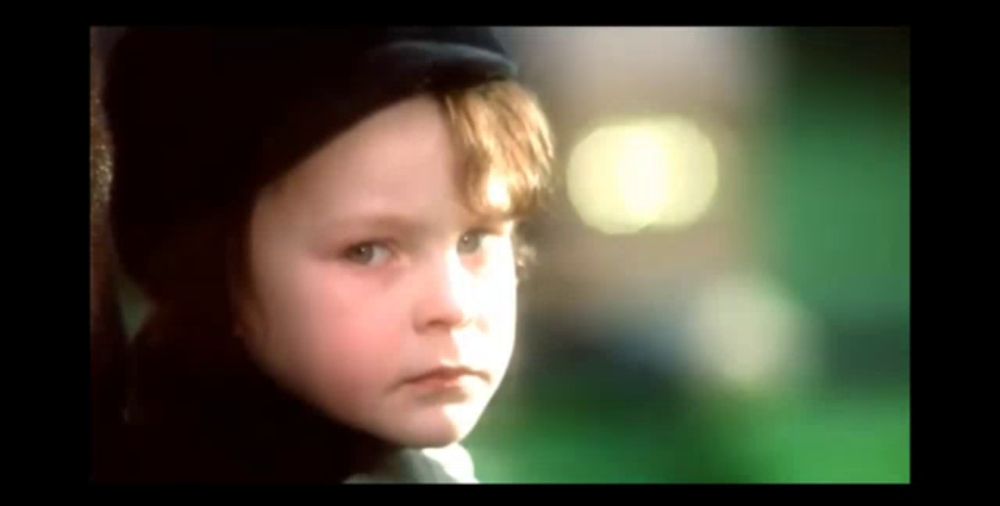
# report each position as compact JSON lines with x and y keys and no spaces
{"x":367,"y":272}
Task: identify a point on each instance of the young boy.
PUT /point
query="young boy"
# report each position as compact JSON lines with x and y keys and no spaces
{"x":325,"y":221}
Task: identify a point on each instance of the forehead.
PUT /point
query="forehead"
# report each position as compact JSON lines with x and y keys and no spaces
{"x":403,"y":158}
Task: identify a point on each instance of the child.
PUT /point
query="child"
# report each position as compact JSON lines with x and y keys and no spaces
{"x":325,"y":221}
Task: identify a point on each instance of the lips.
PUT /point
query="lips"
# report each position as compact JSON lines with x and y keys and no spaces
{"x":447,"y":373}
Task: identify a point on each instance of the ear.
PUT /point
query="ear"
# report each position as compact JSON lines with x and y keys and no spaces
{"x":247,"y":315}
{"x":244,"y":309}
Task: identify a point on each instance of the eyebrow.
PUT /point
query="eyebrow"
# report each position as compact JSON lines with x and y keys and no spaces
{"x":396,"y":222}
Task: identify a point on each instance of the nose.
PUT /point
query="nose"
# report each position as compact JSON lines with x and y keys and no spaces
{"x":447,"y":299}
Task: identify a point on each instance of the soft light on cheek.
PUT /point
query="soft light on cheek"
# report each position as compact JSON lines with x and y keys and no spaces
{"x":498,"y":299}
{"x":499,"y":347}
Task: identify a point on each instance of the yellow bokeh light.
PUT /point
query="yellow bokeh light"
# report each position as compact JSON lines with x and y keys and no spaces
{"x":660,"y":173}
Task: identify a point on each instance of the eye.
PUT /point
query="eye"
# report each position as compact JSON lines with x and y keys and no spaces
{"x":369,"y":254}
{"x":471,"y":242}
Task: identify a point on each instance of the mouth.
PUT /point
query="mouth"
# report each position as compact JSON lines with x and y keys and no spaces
{"x":448,"y":372}
{"x":447,"y":377}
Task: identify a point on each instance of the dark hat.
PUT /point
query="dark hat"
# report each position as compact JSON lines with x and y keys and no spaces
{"x":203,"y":117}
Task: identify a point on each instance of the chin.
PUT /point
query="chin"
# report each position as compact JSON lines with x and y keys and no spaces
{"x":437,"y":428}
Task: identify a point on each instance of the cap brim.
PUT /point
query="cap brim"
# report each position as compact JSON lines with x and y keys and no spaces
{"x":429,"y":64}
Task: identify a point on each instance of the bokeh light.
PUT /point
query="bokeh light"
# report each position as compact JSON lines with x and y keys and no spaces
{"x":655,"y":173}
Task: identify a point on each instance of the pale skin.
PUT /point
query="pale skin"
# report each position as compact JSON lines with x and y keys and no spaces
{"x":366,"y":270}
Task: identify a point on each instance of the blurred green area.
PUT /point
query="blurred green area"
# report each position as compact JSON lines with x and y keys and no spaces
{"x":832,"y":161}
{"x":835,"y":168}
{"x":589,"y":433}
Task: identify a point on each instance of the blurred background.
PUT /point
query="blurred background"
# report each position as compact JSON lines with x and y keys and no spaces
{"x":723,"y":286}
{"x":722,"y":293}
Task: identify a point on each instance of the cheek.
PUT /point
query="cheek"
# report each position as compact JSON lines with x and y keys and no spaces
{"x":332,"y":330}
{"x":500,"y":291}
{"x":349,"y":315}
{"x":499,"y":310}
